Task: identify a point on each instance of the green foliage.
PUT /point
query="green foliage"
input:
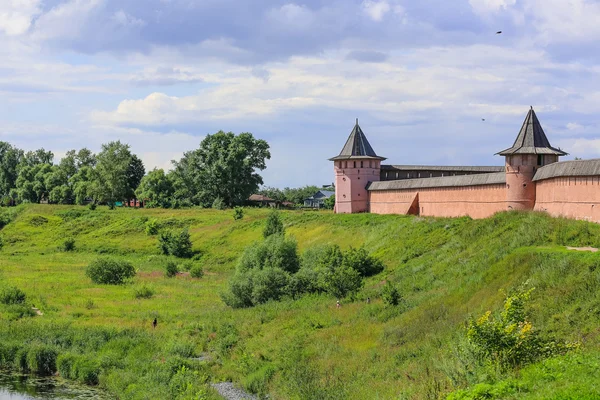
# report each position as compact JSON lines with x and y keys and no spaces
{"x":10,"y":295}
{"x":391,"y":295}
{"x":196,"y":271}
{"x":362,"y":262}
{"x":274,"y":226}
{"x":41,"y":359}
{"x":342,"y":281}
{"x":238,"y":213}
{"x":276,"y":251}
{"x":92,"y":206}
{"x":329,"y":203}
{"x":510,"y":340}
{"x":143,"y":291}
{"x":68,"y":244}
{"x":152,"y":227}
{"x":110,"y":271}
{"x":178,"y":245}
{"x":156,"y":188}
{"x":218,"y":204}
{"x":223,"y":166}
{"x":117,"y":174}
{"x":1,"y":243}
{"x":171,"y":269}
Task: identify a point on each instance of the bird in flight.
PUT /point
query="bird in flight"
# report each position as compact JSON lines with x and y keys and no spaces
{"x":483,"y":119}
{"x":499,"y":32}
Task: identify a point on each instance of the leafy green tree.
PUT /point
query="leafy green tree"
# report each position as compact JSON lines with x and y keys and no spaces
{"x":82,"y":184}
{"x":135,"y":174}
{"x":116,"y":170}
{"x":10,"y":157}
{"x":361,"y":261}
{"x":329,"y":203}
{"x":157,"y":188}
{"x":224,"y":166}
{"x":342,"y":281}
{"x":274,"y":225}
{"x":273,"y":193}
{"x":297,"y":195}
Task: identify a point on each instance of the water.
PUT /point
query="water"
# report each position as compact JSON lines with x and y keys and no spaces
{"x":25,"y":387}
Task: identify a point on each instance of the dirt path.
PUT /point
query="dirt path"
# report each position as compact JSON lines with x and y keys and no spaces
{"x":592,"y":249}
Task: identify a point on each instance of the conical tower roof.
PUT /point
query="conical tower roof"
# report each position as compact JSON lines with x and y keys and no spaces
{"x":357,"y":146}
{"x":531,"y":139}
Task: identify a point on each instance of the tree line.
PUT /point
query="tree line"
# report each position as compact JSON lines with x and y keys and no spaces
{"x":223,"y":168}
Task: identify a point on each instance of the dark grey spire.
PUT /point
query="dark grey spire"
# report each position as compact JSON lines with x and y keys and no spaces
{"x":357,"y":146}
{"x":531,"y":139}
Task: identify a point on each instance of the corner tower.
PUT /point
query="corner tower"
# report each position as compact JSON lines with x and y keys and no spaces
{"x":355,"y":166}
{"x":530,"y":151}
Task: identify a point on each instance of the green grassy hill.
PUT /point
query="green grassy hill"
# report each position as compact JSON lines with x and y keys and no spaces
{"x":448,"y":270}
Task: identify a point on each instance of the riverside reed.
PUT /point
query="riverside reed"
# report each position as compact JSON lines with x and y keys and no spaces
{"x":445,"y":272}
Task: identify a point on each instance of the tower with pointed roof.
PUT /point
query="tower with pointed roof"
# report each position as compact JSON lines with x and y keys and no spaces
{"x":530,"y":151}
{"x":355,"y":166}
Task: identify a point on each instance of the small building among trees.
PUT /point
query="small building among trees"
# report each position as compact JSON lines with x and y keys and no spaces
{"x":317,"y":200}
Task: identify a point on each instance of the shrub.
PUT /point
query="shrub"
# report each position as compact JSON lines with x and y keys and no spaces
{"x":41,"y":360}
{"x":1,"y":243}
{"x":196,"y":271}
{"x":68,"y":244}
{"x":240,"y":291}
{"x":143,"y":292}
{"x":238,"y":213}
{"x":306,"y":280}
{"x":171,"y":269}
{"x":269,"y":284}
{"x":218,"y":204}
{"x":510,"y":340}
{"x":342,"y":281}
{"x":92,"y":206}
{"x":64,"y":365}
{"x":275,"y":252}
{"x":86,"y":371}
{"x":12,"y":295}
{"x":152,"y":227}
{"x":361,"y":261}
{"x":178,"y":245}
{"x":391,"y":295}
{"x":109,"y":271}
{"x":186,"y":265}
{"x":274,"y":225}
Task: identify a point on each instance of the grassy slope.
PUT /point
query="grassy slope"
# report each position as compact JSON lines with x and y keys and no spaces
{"x":448,"y":270}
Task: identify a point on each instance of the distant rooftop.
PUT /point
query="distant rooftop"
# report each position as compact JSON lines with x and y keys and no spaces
{"x":449,"y":168}
{"x":442,"y":181}
{"x":531,"y":139}
{"x":357,"y":146}
{"x":569,"y":168}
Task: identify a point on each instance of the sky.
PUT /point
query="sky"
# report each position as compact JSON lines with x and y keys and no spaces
{"x":430,"y":80}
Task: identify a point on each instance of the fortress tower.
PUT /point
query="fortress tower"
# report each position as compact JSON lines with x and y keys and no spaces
{"x":355,"y":166}
{"x":530,"y":151}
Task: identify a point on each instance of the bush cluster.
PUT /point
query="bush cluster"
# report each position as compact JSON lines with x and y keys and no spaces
{"x":274,"y":225}
{"x":510,"y":340}
{"x":171,"y":269}
{"x":152,"y":227}
{"x":178,"y":245}
{"x":238,"y":213}
{"x":68,"y":244}
{"x":143,"y":292}
{"x":110,"y":271}
{"x":196,"y":271}
{"x":78,"y":367}
{"x":11,"y":295}
{"x":271,"y":270}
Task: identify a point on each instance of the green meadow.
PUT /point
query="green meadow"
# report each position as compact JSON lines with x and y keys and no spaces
{"x":447,"y":271}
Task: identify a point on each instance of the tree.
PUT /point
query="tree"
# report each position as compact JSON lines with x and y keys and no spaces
{"x":116,"y":170}
{"x":10,"y":157}
{"x":297,"y":195}
{"x":274,"y":225}
{"x":329,"y":203}
{"x":157,"y":188}
{"x":224,"y":166}
{"x":135,"y":174}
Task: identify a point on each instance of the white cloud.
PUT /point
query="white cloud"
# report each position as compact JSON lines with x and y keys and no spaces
{"x":377,"y":9}
{"x":291,"y":16}
{"x":559,"y":21}
{"x":16,"y":15}
{"x":66,"y":20}
{"x":491,"y":6}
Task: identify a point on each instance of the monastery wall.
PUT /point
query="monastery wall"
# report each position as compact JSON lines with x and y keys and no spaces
{"x":572,"y":197}
{"x":478,"y":201}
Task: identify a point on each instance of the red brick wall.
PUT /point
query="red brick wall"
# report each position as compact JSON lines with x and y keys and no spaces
{"x":571,"y":197}
{"x":475,"y":201}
